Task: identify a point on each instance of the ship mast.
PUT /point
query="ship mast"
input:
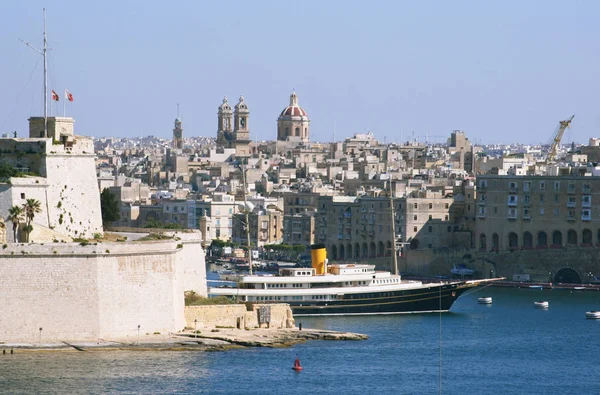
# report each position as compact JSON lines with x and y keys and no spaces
{"x":393,"y":219}
{"x":43,"y":53}
{"x":247,"y":213}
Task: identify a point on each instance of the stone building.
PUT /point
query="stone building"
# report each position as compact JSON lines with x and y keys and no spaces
{"x":293,"y":123}
{"x":225,"y":125}
{"x":299,"y":228}
{"x":536,"y":212}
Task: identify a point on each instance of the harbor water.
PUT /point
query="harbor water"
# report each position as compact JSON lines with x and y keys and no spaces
{"x":507,"y":347}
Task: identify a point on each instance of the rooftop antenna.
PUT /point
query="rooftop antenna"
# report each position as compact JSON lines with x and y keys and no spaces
{"x":43,"y":53}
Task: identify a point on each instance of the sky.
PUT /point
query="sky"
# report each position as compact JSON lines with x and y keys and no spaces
{"x":501,"y":71}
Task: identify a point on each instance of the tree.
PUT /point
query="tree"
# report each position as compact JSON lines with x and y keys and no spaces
{"x":109,"y":206}
{"x":15,"y":215}
{"x":31,"y":208}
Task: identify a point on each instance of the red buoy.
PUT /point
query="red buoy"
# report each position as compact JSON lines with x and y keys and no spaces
{"x":297,"y":366}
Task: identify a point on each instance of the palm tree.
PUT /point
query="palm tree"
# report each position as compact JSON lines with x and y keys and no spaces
{"x":15,"y":215}
{"x":31,"y":207}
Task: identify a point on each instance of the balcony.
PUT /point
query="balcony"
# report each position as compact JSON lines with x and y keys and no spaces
{"x":571,"y":204}
{"x":571,"y":218}
{"x":586,"y":204}
{"x":571,"y":190}
{"x":587,"y":189}
{"x":512,"y":203}
{"x":586,"y":217}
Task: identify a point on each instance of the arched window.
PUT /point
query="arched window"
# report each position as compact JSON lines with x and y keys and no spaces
{"x":495,"y":242}
{"x":287,"y":131}
{"x":349,"y":251}
{"x":542,"y":240}
{"x":586,"y":238}
{"x":372,"y":250}
{"x":482,"y":242}
{"x":297,"y":132}
{"x":388,"y":250}
{"x":380,"y":251}
{"x":513,"y":241}
{"x":557,"y":239}
{"x":334,"y":255}
{"x":365,"y":250}
{"x":414,"y":244}
{"x":572,"y":237}
{"x":357,"y":250}
{"x":527,"y":241}
{"x":342,"y":252}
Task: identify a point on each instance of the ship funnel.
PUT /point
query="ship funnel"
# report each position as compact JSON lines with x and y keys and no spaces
{"x":318,"y":255}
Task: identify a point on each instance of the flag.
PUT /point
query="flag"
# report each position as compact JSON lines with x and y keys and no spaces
{"x":54,"y":96}
{"x":68,"y":95}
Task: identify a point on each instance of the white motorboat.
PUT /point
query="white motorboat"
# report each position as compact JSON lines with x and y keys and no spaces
{"x":592,"y":315}
{"x":461,"y":270}
{"x":541,"y":304}
{"x":485,"y":300}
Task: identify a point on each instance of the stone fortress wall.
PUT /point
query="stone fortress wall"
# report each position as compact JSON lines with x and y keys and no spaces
{"x":76,"y":292}
{"x":238,"y":316}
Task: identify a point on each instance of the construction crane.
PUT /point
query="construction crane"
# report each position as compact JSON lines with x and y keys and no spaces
{"x":557,"y":136}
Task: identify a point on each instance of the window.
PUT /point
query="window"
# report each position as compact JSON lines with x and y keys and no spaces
{"x":512,"y":185}
{"x":430,"y":217}
{"x":495,"y":210}
{"x":556,"y":212}
{"x":445,"y":218}
{"x":22,"y":196}
{"x":415,"y":218}
{"x":430,"y":229}
{"x":556,"y":185}
{"x":541,"y":198}
{"x":542,"y":211}
{"x":556,"y":198}
{"x":414,"y":228}
{"x":430,"y":206}
{"x":416,"y":206}
{"x":446,"y":206}
{"x":449,"y":229}
{"x":542,"y":185}
{"x":527,"y":198}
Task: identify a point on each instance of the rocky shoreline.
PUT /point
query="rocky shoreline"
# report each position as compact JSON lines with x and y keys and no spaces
{"x":220,"y":339}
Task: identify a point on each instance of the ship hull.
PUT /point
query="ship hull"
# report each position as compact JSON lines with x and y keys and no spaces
{"x":421,"y":300}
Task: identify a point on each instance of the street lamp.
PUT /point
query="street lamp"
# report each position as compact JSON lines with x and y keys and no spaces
{"x":139,"y":334}
{"x":195,"y":330}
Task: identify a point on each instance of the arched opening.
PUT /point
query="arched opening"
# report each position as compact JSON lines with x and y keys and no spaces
{"x":380,"y":251}
{"x":357,"y":250}
{"x":571,"y":237}
{"x":349,"y":251}
{"x":482,"y":242}
{"x":287,"y":131}
{"x":334,"y":254}
{"x":388,"y":250}
{"x":365,"y":250}
{"x":372,"y":250}
{"x":414,"y":244}
{"x":527,"y":241}
{"x":586,"y":238}
{"x":342,"y":252}
{"x":542,"y":240}
{"x":495,"y":242}
{"x":513,"y":241}
{"x":556,"y":239}
{"x":297,"y":132}
{"x":567,"y":275}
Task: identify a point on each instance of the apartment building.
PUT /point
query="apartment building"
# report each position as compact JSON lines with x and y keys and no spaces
{"x":536,"y":212}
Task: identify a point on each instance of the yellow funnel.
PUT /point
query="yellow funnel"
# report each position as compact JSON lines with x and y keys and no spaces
{"x":318,"y":255}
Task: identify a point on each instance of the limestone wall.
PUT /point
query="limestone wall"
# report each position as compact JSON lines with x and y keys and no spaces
{"x":95,"y":291}
{"x":237,"y":316}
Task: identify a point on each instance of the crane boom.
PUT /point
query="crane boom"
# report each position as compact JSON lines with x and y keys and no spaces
{"x":558,"y":133}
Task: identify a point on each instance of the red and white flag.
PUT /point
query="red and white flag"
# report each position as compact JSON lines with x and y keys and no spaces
{"x":55,"y":96}
{"x":68,"y":95}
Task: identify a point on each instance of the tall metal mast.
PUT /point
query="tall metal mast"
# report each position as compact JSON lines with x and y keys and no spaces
{"x":247,"y":213}
{"x":43,"y":53}
{"x":393,"y":219}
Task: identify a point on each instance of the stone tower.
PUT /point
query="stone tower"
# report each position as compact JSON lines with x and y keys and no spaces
{"x":178,"y":134}
{"x":241,"y":130}
{"x":293,"y":123}
{"x":225,"y":127}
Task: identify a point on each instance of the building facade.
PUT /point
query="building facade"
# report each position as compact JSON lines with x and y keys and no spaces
{"x":536,"y":212}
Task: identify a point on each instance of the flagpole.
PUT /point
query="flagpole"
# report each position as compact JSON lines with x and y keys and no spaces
{"x":65,"y":103}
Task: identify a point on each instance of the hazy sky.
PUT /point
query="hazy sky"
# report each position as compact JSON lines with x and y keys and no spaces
{"x":502,"y":71}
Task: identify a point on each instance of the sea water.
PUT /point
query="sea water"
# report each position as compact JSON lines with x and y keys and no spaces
{"x":508,"y":347}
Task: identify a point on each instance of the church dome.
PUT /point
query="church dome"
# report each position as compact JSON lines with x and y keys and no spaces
{"x":293,"y":110}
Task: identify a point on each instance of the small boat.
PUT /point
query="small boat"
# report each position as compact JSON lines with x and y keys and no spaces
{"x":541,"y":304}
{"x":485,"y":300}
{"x":536,"y":287}
{"x":592,"y":315}
{"x":578,"y":288}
